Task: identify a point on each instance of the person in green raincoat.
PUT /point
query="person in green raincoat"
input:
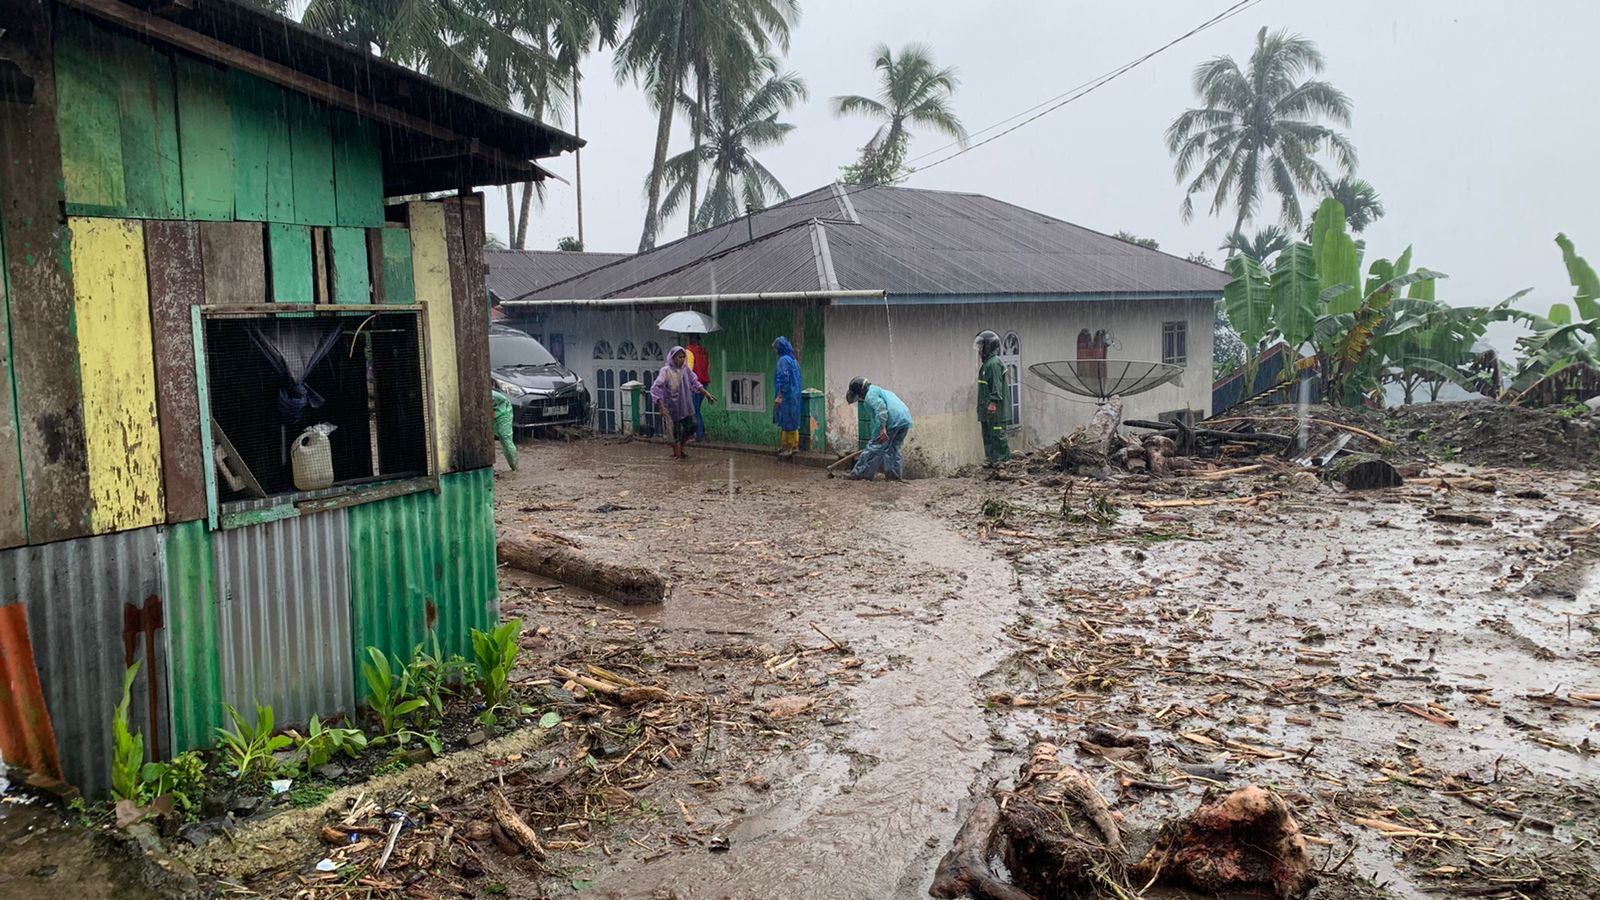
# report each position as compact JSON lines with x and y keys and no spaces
{"x":994,"y":399}
{"x":503,"y":427}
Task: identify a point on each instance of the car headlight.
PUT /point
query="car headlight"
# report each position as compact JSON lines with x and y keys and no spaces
{"x":509,"y":389}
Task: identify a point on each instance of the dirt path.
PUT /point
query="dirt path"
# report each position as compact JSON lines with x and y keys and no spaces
{"x":866,"y":809}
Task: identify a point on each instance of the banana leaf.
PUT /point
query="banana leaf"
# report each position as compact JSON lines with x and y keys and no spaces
{"x":1248,"y":301}
{"x":1583,"y":279}
{"x":1338,"y":261}
{"x":1295,"y":298}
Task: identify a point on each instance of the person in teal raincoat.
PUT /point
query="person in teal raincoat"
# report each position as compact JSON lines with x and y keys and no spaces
{"x":891,"y":422}
{"x":994,"y":400}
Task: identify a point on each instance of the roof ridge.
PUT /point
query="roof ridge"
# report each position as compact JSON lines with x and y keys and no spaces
{"x":826,"y":279}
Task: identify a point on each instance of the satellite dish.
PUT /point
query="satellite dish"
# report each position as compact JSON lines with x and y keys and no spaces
{"x":1103,"y":379}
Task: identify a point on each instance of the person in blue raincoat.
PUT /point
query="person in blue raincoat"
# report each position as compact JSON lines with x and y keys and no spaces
{"x":891,"y":422}
{"x":787,"y":405}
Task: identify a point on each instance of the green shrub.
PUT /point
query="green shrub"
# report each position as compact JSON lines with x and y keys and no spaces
{"x":249,"y":746}
{"x":496,"y":655}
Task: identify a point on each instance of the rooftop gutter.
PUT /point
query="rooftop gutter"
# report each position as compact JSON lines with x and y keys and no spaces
{"x":681,"y":299}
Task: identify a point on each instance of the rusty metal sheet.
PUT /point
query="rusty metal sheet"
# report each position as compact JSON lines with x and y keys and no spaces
{"x":284,"y":593}
{"x":469,"y":301}
{"x":27,"y":738}
{"x":79,"y":594}
{"x":177,"y":283}
{"x":44,"y":360}
{"x":234,"y":254}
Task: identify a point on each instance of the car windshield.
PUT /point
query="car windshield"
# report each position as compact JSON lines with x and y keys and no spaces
{"x":509,"y":350}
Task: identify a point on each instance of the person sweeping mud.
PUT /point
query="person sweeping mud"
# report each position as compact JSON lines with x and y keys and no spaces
{"x":674,"y":392}
{"x":891,"y":422}
{"x":994,"y":400}
{"x":786,"y":403}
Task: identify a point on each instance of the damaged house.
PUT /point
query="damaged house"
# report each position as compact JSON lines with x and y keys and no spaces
{"x":891,"y":283}
{"x":206,"y":253}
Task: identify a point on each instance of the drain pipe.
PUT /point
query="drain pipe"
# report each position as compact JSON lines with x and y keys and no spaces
{"x":681,"y":299}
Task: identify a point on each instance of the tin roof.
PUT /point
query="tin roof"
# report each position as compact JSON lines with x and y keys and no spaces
{"x":902,"y":240}
{"x":513,"y":273}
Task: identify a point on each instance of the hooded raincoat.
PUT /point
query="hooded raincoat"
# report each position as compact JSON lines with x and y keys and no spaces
{"x":676,"y":387}
{"x":786,"y":384}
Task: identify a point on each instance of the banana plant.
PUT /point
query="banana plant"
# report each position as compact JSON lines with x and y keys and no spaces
{"x":1561,"y":339}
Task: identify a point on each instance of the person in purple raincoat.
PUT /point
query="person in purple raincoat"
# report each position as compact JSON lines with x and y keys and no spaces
{"x":674,"y":392}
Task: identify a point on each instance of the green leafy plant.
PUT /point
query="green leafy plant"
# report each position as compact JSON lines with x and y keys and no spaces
{"x":431,"y":675}
{"x":496,"y":655}
{"x":389,"y":693}
{"x":322,"y":742}
{"x":127,"y":760}
{"x":183,"y":778}
{"x":248,"y":746}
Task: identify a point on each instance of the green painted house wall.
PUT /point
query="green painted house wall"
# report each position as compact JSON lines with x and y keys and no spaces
{"x":745,"y":345}
{"x":151,"y":133}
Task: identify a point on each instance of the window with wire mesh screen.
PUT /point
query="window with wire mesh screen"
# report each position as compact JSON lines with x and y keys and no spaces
{"x":271,"y":376}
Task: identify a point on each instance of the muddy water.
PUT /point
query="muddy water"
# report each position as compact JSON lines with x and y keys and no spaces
{"x":871,"y":818}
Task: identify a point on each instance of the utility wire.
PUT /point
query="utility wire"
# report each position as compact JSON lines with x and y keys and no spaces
{"x":1086,"y":88}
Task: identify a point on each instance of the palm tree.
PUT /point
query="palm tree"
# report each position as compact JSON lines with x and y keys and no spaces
{"x":739,"y":118}
{"x":1260,"y":129}
{"x":480,"y":47}
{"x":1362,"y":205}
{"x":912,"y":91}
{"x":670,"y":39}
{"x":595,"y":26}
{"x":1261,"y":246}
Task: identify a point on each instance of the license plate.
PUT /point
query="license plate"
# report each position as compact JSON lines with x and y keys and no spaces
{"x":555,"y":410}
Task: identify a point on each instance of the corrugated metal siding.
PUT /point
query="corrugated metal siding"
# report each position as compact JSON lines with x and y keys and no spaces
{"x":190,"y":590}
{"x":424,"y":562}
{"x":78,"y":593}
{"x":284,"y":592}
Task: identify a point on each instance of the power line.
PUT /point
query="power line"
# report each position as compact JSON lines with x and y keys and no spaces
{"x":1089,"y":87}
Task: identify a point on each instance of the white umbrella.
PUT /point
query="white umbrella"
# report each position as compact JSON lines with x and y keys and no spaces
{"x":687,"y":321}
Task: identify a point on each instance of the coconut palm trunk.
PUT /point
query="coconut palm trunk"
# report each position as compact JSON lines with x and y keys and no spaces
{"x":577,"y":154}
{"x":699,"y":139}
{"x":667,"y":91}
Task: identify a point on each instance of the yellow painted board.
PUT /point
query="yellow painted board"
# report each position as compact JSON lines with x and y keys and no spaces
{"x":430,"y":265}
{"x":116,"y":356}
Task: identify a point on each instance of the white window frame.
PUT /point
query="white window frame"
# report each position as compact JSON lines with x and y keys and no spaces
{"x":754,"y":386}
{"x":1011,"y":358}
{"x":1178,"y":329}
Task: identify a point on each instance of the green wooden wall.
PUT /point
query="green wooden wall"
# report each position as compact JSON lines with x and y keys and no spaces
{"x":149,"y":133}
{"x":745,"y":345}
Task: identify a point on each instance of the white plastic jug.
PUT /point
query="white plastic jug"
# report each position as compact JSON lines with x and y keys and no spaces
{"x":311,"y":458}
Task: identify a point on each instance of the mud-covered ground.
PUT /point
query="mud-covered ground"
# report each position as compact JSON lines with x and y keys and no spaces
{"x":1422,"y":689}
{"x":1415,"y":686}
{"x":845,"y":667}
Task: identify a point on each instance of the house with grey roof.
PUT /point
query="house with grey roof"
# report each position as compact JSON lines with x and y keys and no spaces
{"x":891,"y":283}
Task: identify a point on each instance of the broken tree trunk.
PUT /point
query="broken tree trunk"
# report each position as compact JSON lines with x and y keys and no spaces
{"x":1057,"y":838}
{"x":1103,"y":425}
{"x":1363,"y":471}
{"x":560,"y":560}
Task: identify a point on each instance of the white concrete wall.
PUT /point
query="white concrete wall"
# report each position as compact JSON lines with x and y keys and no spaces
{"x":924,"y":354}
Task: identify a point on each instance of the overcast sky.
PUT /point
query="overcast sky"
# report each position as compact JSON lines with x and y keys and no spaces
{"x":1475,"y":119}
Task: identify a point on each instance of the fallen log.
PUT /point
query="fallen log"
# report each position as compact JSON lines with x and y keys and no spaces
{"x":561,"y":560}
{"x":513,"y":825}
{"x":1247,"y":841}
